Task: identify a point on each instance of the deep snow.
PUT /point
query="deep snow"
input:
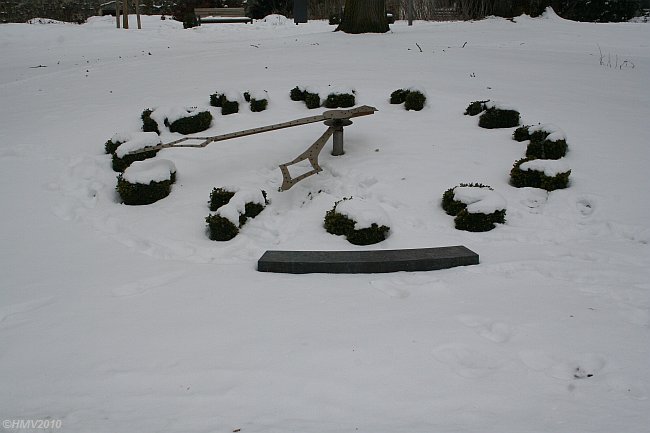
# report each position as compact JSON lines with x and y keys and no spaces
{"x":120,"y":319}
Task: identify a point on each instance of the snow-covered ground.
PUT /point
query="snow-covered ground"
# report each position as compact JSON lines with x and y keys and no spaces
{"x":129,"y":319}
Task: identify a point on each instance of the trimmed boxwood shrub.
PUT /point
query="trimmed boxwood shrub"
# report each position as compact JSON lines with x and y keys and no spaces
{"x":229,"y":107}
{"x":368,"y":236}
{"x":340,"y":100}
{"x":148,"y":124}
{"x":312,"y":100}
{"x":399,"y":96}
{"x":452,"y":206}
{"x":537,"y":179}
{"x":297,"y":94}
{"x":221,"y":228}
{"x":258,"y":105}
{"x":415,"y":100}
{"x":470,"y":221}
{"x":521,"y":133}
{"x":121,"y":164}
{"x":478,"y":222}
{"x":111,"y":147}
{"x":498,"y":118}
{"x":216,"y":99}
{"x":339,"y":224}
{"x":476,"y":107}
{"x":135,"y":194}
{"x":192,"y":124}
{"x":540,"y":147}
{"x":219,"y":197}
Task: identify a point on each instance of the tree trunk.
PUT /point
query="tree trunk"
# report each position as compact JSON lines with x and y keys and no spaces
{"x":364,"y":16}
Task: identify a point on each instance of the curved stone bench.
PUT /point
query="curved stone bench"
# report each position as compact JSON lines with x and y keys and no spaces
{"x":366,"y":262}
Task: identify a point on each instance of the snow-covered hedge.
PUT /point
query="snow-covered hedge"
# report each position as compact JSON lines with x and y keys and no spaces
{"x":309,"y":96}
{"x":546,"y":142}
{"x":146,"y":182}
{"x":122,"y":143}
{"x":257,"y":100}
{"x":498,"y":116}
{"x":398,"y":96}
{"x":361,"y":222}
{"x":548,"y":174}
{"x":475,"y":207}
{"x":340,"y":100}
{"x":522,"y":133}
{"x":233,"y":208}
{"x":476,"y":107}
{"x":412,"y":98}
{"x":149,"y":124}
{"x":187,"y":120}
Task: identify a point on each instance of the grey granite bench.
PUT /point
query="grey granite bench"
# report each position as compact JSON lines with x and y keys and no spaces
{"x":366,"y":262}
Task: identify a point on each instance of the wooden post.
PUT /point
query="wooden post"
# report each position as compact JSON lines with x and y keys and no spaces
{"x":137,"y":12}
{"x":118,"y":3}
{"x":125,"y":15}
{"x":410,"y":12}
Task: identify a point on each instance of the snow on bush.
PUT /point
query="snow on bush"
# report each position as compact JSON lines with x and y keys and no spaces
{"x":146,"y":182}
{"x":233,"y":208}
{"x":476,"y":107}
{"x":476,"y":207}
{"x":413,"y":98}
{"x":360,"y":221}
{"x":181,"y":119}
{"x":548,"y":174}
{"x":124,"y":142}
{"x":258,"y":100}
{"x":546,"y":142}
{"x":497,"y":115}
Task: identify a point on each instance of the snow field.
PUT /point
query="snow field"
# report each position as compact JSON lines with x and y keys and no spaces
{"x":117,"y":318}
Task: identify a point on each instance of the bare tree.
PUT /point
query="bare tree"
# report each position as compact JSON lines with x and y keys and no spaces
{"x":364,"y":16}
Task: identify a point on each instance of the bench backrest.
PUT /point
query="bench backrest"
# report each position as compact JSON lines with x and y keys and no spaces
{"x":219,"y":12}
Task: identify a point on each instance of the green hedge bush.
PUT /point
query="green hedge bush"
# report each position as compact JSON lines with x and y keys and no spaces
{"x":474,"y":221}
{"x":297,"y":94}
{"x":312,"y":100}
{"x":537,"y":179}
{"x":220,"y":228}
{"x":258,"y":105}
{"x":229,"y":107}
{"x":399,"y":96}
{"x":148,"y":124}
{"x":191,"y":124}
{"x":415,"y":100}
{"x":219,"y":197}
{"x":340,"y":225}
{"x":476,"y":107}
{"x":135,"y":194}
{"x":217,"y":99}
{"x":478,"y":222}
{"x":340,"y":100}
{"x":121,"y":164}
{"x":541,"y":146}
{"x":498,"y":118}
{"x":521,"y":133}
{"x":450,"y":205}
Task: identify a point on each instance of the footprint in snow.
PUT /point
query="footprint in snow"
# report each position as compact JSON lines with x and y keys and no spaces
{"x":495,"y":331}
{"x":15,"y":314}
{"x":467,"y":361}
{"x":391,"y":288}
{"x":581,"y":366}
{"x":146,"y":284}
{"x":585,"y":206}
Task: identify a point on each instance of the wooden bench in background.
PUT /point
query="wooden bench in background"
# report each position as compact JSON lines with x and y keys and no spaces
{"x":222,"y":15}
